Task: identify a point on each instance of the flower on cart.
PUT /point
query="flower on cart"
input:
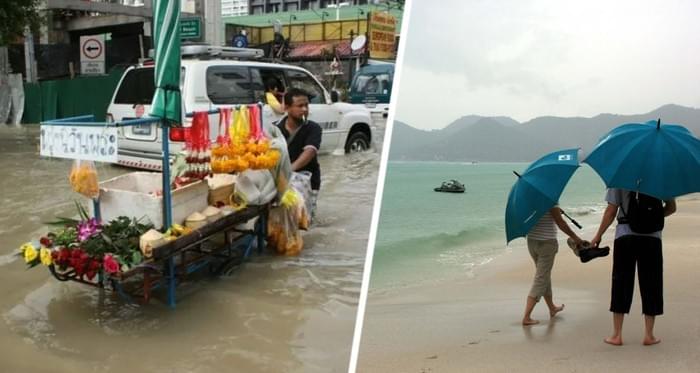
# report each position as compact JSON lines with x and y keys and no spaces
{"x":30,"y":253}
{"x":45,"y":256}
{"x":61,"y":257}
{"x":111,"y":265}
{"x":85,"y":248}
{"x":45,"y":242}
{"x":88,"y":228}
{"x":93,"y":268}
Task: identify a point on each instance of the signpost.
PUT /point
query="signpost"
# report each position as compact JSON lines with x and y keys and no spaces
{"x":382,"y":27}
{"x":190,"y":28}
{"x":79,"y":142}
{"x":92,"y":54}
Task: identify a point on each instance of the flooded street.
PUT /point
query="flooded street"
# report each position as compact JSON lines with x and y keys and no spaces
{"x":273,"y":314}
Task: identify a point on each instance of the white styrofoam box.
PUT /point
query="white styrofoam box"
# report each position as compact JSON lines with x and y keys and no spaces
{"x":132,"y":195}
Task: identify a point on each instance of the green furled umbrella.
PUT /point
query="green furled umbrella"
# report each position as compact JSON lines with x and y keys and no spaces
{"x":167,"y":100}
{"x":166,"y":31}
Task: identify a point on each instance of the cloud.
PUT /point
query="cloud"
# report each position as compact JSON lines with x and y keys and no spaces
{"x":545,"y":57}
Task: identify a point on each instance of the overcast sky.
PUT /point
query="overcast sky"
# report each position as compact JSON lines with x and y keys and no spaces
{"x":526,"y":59}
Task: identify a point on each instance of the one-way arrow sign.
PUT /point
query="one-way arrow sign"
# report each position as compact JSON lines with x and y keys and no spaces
{"x":92,"y":54}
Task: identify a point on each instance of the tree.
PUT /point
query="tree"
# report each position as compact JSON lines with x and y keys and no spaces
{"x":15,"y":16}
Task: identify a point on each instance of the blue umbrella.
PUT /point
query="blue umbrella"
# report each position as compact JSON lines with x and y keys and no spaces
{"x":537,"y":190}
{"x":660,"y":160}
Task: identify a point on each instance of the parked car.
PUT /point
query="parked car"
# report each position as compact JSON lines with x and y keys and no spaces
{"x":371,"y":87}
{"x":209,"y":80}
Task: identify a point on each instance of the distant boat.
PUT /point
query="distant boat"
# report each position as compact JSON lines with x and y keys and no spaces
{"x":452,"y":186}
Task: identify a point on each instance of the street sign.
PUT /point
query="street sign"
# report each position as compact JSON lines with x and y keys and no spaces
{"x":190,"y":28}
{"x":92,"y":54}
{"x":79,"y":142}
{"x":382,"y":27}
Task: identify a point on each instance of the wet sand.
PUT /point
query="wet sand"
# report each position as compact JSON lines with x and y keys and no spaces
{"x":274,"y":314}
{"x":473,"y":325}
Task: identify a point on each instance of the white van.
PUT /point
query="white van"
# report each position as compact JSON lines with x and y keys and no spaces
{"x":207,"y":83}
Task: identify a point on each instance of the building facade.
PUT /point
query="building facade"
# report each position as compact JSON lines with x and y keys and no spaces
{"x":233,"y":8}
{"x":274,"y":6}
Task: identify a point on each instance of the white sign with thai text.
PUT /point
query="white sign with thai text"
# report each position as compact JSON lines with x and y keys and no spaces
{"x":77,"y":142}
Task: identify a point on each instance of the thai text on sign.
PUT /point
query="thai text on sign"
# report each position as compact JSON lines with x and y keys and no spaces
{"x":381,"y":35}
{"x":78,"y":142}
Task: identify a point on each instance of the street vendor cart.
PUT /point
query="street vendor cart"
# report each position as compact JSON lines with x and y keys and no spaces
{"x":112,"y":247}
{"x":215,"y":245}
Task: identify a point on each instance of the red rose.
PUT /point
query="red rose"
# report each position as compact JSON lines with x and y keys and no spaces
{"x":45,"y":241}
{"x":110,"y":264}
{"x":64,"y":256}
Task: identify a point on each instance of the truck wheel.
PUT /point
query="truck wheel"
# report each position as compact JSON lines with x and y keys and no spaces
{"x":357,"y":142}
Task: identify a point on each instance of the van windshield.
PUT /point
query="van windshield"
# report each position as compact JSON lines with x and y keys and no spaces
{"x":137,"y":87}
{"x":376,"y":84}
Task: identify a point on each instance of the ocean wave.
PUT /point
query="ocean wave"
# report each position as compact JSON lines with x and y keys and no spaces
{"x":584,"y":210}
{"x":438,"y":241}
{"x":446,"y":267}
{"x":469,"y":258}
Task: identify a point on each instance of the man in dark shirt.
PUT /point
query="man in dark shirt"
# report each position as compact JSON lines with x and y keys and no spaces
{"x":303,"y":137}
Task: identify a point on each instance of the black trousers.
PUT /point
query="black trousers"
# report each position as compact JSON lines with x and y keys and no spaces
{"x":644,"y":253}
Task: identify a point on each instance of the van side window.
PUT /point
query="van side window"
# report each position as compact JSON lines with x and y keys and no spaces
{"x":229,"y":85}
{"x":257,"y":85}
{"x":275,"y":77}
{"x":137,"y":87}
{"x":299,"y":79}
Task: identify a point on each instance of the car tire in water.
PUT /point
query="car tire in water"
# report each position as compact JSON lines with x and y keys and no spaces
{"x":357,"y":142}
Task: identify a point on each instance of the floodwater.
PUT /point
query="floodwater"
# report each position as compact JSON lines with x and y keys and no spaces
{"x":273,"y":314}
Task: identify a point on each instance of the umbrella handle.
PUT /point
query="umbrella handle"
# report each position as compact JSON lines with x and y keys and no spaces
{"x":572,"y":220}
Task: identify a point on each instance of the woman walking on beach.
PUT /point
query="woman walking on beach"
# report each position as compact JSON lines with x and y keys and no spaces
{"x":634,"y":249}
{"x":543,"y":246}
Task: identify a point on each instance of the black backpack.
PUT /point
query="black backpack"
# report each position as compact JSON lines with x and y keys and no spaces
{"x":645,"y":214}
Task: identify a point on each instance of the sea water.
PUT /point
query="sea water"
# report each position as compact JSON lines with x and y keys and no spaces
{"x":427,"y":236}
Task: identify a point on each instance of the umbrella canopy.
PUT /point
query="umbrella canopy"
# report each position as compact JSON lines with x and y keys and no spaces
{"x":537,"y":190}
{"x":661,"y":160}
{"x":166,"y":31}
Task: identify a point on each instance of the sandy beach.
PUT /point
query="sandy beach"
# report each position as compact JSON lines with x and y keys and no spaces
{"x":473,"y":324}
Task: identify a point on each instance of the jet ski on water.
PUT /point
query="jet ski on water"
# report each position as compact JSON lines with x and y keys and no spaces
{"x":452,"y":186}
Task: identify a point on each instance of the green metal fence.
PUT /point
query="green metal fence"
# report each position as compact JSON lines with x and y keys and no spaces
{"x":55,"y":99}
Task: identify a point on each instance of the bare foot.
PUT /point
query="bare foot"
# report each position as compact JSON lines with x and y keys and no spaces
{"x":529,"y":321}
{"x":555,"y":310}
{"x":648,"y":341}
{"x":614,"y":340}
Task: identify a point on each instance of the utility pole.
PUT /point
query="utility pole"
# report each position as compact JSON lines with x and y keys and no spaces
{"x":29,"y":58}
{"x":212,"y":22}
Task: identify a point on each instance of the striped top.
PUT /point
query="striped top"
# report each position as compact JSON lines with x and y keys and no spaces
{"x":545,"y":229}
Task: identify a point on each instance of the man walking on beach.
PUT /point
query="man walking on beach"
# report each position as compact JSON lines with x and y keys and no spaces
{"x":634,"y":249}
